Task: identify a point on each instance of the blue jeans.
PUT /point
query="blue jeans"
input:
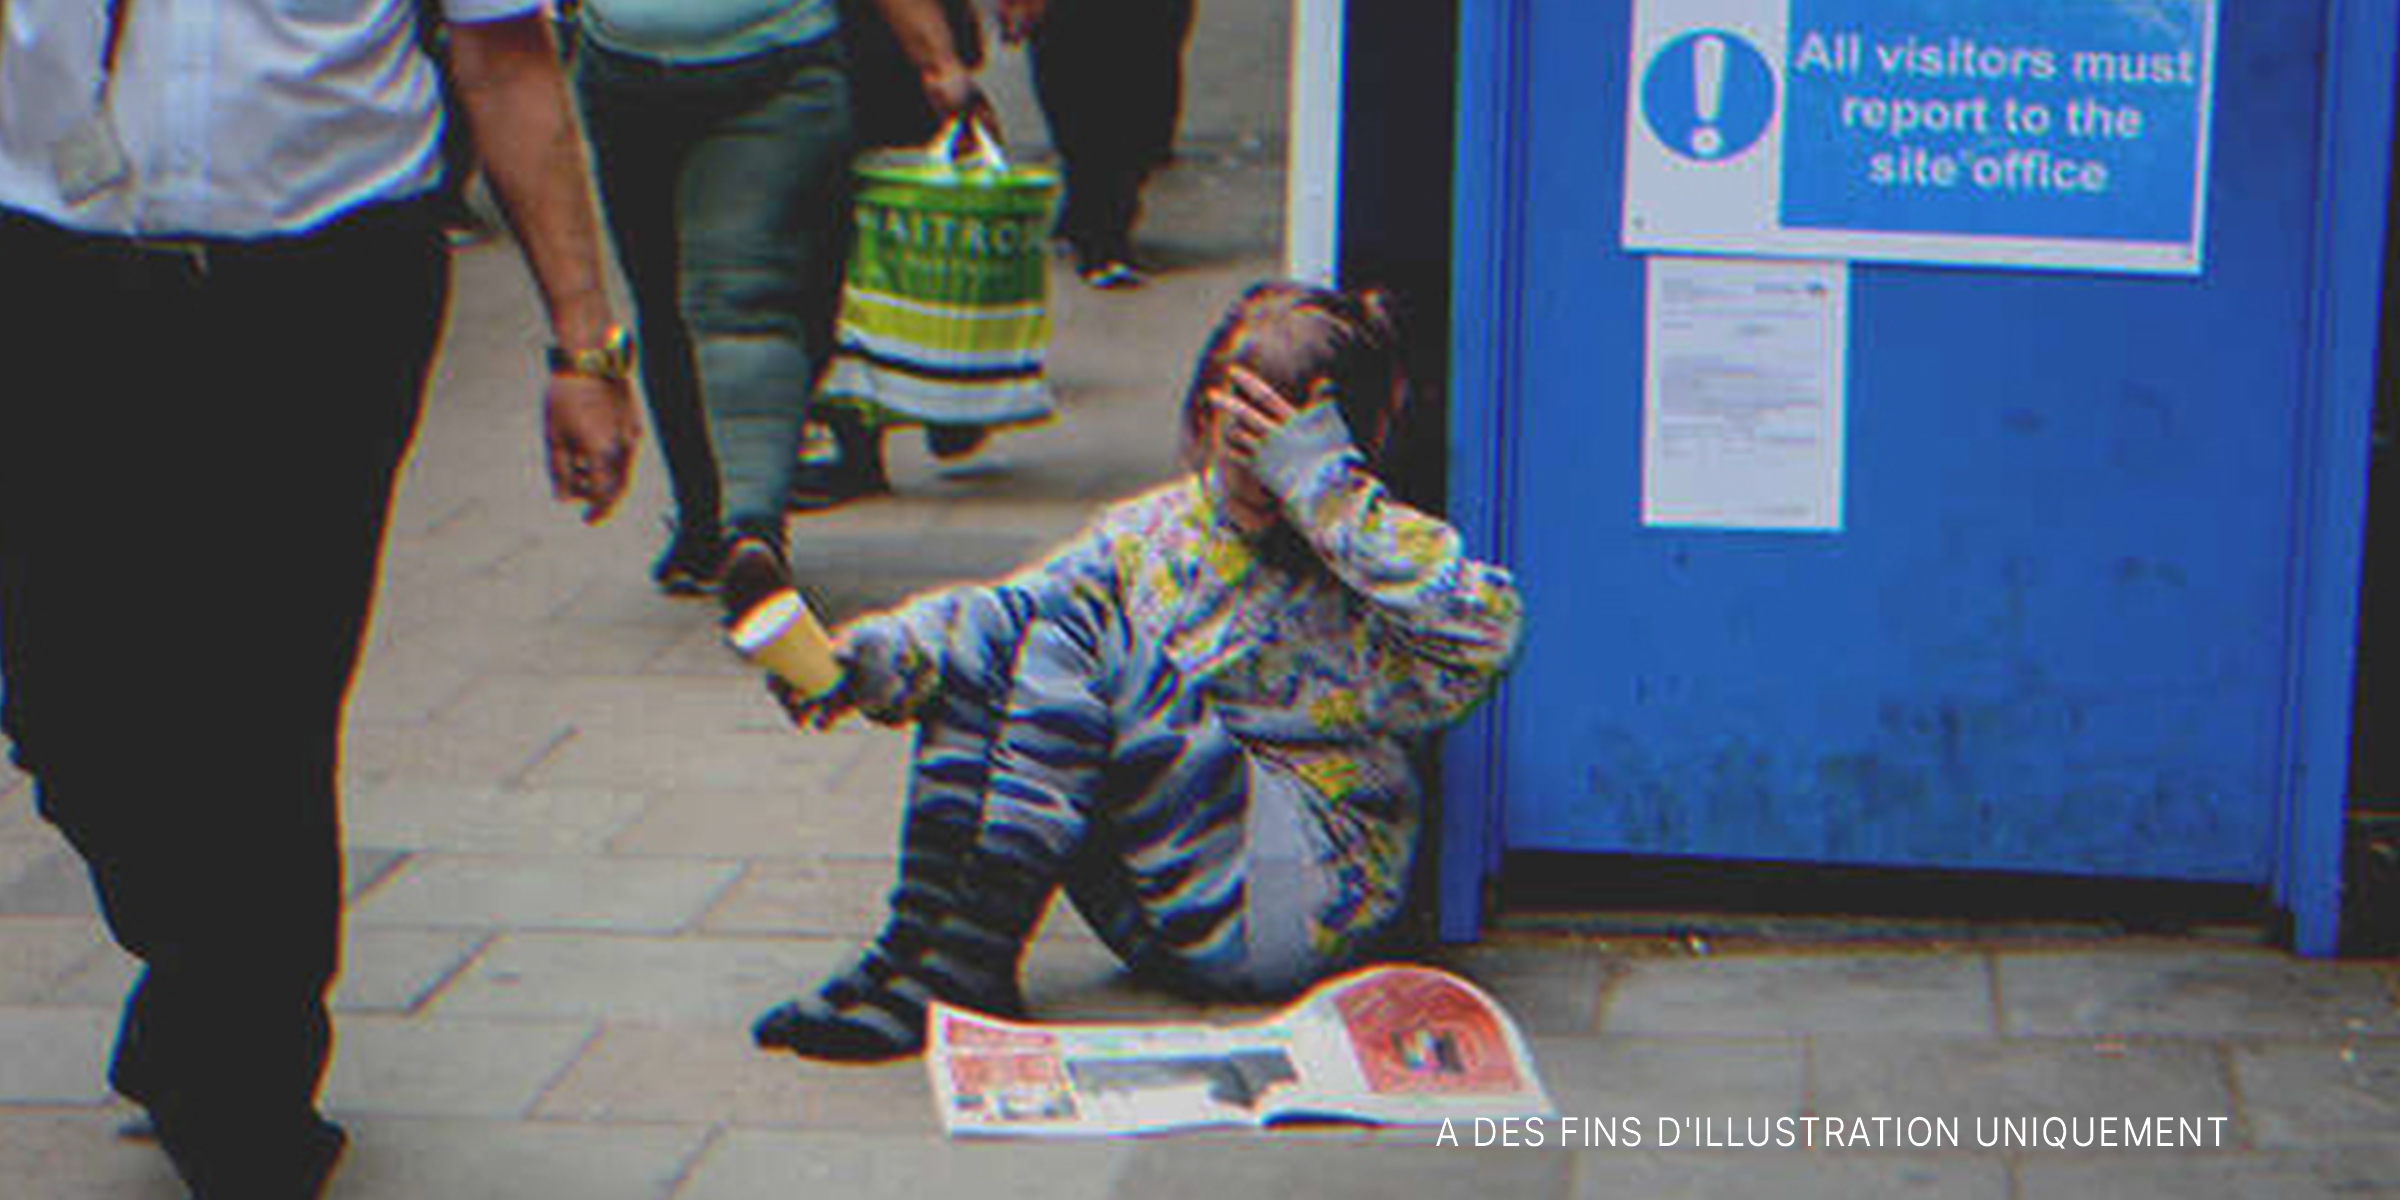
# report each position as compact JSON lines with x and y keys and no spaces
{"x":726,"y":186}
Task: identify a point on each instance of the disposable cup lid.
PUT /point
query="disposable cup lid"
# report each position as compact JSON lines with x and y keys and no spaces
{"x":766,"y":621}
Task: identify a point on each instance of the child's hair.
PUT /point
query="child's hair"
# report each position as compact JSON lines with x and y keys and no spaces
{"x":1297,"y":337}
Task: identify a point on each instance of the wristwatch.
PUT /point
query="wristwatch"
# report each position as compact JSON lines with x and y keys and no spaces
{"x":611,"y":360}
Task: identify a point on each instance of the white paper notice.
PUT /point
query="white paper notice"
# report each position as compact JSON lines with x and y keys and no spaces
{"x":1742,"y":387}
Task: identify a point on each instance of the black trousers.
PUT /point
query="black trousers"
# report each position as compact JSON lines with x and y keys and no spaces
{"x":1109,"y":77}
{"x":197,"y":453}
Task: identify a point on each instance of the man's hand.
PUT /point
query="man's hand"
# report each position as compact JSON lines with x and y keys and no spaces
{"x":507,"y":76}
{"x":590,"y":429}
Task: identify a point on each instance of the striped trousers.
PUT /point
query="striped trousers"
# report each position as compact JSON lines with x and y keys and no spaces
{"x":1071,"y":755}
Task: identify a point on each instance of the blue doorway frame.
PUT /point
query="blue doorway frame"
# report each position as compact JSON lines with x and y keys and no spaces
{"x":1489,"y":401}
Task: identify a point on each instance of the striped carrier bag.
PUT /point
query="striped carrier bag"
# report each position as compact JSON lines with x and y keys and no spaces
{"x":944,"y":315}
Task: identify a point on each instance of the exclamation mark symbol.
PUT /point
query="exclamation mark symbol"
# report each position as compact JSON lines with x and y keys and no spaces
{"x":1708,"y":93}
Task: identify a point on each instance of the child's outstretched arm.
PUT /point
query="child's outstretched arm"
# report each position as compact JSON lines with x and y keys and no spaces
{"x":1444,"y":625}
{"x":897,"y":661}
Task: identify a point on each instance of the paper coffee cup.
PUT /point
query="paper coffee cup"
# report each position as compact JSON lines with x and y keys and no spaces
{"x":781,"y":635}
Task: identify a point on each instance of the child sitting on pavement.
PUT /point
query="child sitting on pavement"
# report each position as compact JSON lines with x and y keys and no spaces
{"x":1196,"y":717}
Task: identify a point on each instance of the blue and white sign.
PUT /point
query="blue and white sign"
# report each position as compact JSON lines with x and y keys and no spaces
{"x":2023,"y":133}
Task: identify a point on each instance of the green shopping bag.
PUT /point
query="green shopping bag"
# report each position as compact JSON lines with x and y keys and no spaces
{"x":945,"y":312}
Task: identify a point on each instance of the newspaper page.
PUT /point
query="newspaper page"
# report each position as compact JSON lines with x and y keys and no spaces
{"x":1383,"y":1045}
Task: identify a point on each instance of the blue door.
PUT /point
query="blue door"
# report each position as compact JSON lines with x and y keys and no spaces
{"x":2090,"y":609}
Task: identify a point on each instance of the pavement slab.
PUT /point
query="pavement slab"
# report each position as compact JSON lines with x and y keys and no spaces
{"x":2350,"y":1173}
{"x":1211,"y":1166}
{"x":1550,"y":986}
{"x":54,"y":1055}
{"x":638,"y":1074}
{"x":39,"y":954}
{"x":1648,"y":1078}
{"x":2224,"y":992}
{"x":1787,"y":1175}
{"x":383,"y":970}
{"x":75,"y":1154}
{"x":703,"y":982}
{"x":448,"y":1067}
{"x":545,"y":892}
{"x":394,"y":1158}
{"x":746,"y":1164}
{"x":837,"y":897}
{"x":1794,"y":994}
{"x":2305,"y":1094}
{"x":414,"y":816}
{"x":757,"y":824}
{"x":1975,"y":1083}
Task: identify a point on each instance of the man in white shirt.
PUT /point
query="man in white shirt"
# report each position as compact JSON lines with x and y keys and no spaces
{"x":223,"y":284}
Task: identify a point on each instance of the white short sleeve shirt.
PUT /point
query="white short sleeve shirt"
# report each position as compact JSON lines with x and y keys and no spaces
{"x":237,"y":118}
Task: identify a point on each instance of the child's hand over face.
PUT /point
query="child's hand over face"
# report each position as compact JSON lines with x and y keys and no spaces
{"x":1248,"y":412}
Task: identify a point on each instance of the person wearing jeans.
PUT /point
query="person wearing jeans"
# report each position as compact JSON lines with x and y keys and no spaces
{"x":721,"y":132}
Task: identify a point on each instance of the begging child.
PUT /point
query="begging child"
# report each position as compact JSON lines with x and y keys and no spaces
{"x":1197,"y":717}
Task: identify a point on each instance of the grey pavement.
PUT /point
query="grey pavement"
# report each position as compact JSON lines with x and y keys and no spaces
{"x":585,"y":850}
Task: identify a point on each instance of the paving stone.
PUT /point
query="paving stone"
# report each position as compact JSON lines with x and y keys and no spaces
{"x":25,"y":848}
{"x":840,"y":897}
{"x":1802,"y":994}
{"x":545,"y":892}
{"x":75,"y":1154}
{"x":447,"y":1067}
{"x":513,"y":589}
{"x":699,"y":651}
{"x":755,"y":823}
{"x":705,"y":982}
{"x":618,"y":705}
{"x":55,"y":1055}
{"x":660,"y":762}
{"x":395,"y":970}
{"x":1338,"y":1168}
{"x":19,"y":823}
{"x":688,"y":1075}
{"x":443,"y":751}
{"x":37,"y":954}
{"x":715,"y":1075}
{"x":549,"y":649}
{"x":1650,"y":1078}
{"x":1978,"y":1083}
{"x":2321,"y":1093}
{"x":895,"y":1098}
{"x":51,"y":884}
{"x":364,"y":867}
{"x":401,"y":688}
{"x":485,"y":820}
{"x":1786,"y":1175}
{"x":1548,"y":986}
{"x":746,"y":1164}
{"x":383,"y":970}
{"x":2339,"y":1174}
{"x":1073,"y":977}
{"x":410,"y":1159}
{"x":2231,"y":992}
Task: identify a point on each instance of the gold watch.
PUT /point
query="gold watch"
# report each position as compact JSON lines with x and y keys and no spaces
{"x":611,"y":360}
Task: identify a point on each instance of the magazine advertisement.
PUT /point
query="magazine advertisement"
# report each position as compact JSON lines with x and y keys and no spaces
{"x":1386,"y":1045}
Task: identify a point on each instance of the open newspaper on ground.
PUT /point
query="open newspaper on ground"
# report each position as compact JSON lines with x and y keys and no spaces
{"x":1387,"y":1045}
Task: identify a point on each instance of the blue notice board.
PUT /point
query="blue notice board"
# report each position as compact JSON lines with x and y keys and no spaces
{"x":2014,"y":133}
{"x":2091,"y":608}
